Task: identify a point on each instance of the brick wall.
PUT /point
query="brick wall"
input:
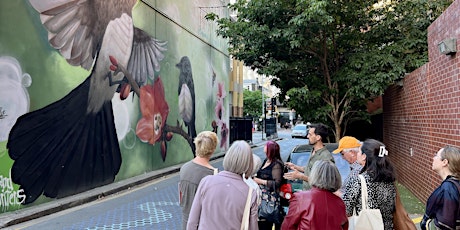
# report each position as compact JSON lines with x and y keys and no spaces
{"x":424,"y":114}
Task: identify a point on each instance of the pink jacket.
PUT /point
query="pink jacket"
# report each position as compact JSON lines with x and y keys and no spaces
{"x":315,"y":209}
{"x":219,"y":203}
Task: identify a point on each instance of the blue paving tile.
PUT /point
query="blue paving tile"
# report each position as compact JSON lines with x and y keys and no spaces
{"x":155,"y":211}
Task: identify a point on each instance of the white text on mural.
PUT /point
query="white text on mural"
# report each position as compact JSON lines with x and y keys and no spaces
{"x":8,"y":196}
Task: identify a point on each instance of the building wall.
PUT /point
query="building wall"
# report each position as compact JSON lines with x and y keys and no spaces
{"x":423,"y":115}
{"x":36,"y":79}
{"x":265,"y":81}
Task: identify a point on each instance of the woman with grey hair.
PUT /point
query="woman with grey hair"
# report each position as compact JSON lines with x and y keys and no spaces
{"x":220,"y":199}
{"x":319,"y":207}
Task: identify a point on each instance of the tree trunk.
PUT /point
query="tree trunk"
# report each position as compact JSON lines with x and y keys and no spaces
{"x":338,"y":131}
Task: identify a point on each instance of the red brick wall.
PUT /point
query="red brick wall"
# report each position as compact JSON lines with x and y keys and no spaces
{"x":424,"y":114}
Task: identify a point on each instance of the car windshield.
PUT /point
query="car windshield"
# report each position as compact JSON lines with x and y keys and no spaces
{"x":300,"y":127}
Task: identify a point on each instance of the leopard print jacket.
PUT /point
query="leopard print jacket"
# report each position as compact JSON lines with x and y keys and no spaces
{"x":381,"y":195}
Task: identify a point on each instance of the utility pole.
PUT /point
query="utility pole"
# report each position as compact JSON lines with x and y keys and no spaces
{"x":263,"y":107}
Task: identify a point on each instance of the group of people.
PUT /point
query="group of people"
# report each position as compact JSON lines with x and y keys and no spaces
{"x":211,"y":200}
{"x":219,"y":201}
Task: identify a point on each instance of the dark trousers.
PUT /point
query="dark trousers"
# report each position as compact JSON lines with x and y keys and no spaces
{"x":265,"y":225}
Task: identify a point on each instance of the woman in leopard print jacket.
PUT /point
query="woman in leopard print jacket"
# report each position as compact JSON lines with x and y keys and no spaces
{"x":380,"y":176}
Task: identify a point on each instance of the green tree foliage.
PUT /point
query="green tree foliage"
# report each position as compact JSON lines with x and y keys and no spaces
{"x":331,"y":56}
{"x":252,"y":101}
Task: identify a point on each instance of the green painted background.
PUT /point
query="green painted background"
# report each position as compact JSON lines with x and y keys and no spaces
{"x":178,"y":22}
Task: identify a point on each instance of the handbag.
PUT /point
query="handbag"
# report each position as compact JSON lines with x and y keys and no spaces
{"x":368,"y":219}
{"x":247,"y":207}
{"x":401,"y":220}
{"x":270,"y":208}
{"x":430,"y":225}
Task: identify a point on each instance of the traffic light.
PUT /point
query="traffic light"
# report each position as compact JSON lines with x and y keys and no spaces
{"x":273,"y":105}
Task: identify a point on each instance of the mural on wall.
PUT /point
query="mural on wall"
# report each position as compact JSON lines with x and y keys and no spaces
{"x":186,"y":91}
{"x":14,"y":98}
{"x":125,"y":112}
{"x":14,"y":102}
{"x":220,"y":111}
{"x":74,"y":139}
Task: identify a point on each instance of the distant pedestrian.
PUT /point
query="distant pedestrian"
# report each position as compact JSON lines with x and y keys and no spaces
{"x":380,"y":177}
{"x":287,"y":125}
{"x":193,"y":171}
{"x":318,"y":208}
{"x":220,"y":199}
{"x":443,"y":206}
{"x":349,"y":148}
{"x":269,"y":177}
{"x":317,"y":133}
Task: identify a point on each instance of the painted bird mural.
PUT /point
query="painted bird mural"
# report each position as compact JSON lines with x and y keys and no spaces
{"x":186,"y":93}
{"x":71,"y":145}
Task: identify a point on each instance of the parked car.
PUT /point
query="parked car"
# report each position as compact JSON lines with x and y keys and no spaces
{"x":300,"y":155}
{"x":300,"y":130}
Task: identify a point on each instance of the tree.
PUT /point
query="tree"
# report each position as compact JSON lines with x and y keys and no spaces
{"x":252,"y":101}
{"x":330,"y":57}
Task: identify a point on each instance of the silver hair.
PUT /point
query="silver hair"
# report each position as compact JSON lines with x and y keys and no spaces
{"x":356,"y":149}
{"x":257,"y":163}
{"x":238,"y":158}
{"x":325,"y":175}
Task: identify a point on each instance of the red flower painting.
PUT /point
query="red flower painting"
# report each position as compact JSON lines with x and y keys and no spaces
{"x":154,"y":111}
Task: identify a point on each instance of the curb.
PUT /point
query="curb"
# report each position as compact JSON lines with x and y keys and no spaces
{"x":34,"y":212}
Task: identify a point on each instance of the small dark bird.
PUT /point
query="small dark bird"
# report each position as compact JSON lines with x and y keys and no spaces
{"x":186,"y":93}
{"x":71,"y":145}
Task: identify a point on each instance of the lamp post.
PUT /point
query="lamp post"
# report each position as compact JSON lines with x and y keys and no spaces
{"x":263,"y":107}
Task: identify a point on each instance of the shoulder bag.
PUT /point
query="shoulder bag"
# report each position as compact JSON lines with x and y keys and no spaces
{"x":368,"y":219}
{"x":401,"y":220}
{"x":269,"y":208}
{"x":247,"y":208}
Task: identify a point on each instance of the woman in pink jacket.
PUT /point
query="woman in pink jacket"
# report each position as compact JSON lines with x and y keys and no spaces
{"x":220,"y":199}
{"x":318,"y":208}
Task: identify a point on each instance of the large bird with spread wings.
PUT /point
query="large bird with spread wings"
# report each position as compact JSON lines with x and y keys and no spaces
{"x":71,"y":145}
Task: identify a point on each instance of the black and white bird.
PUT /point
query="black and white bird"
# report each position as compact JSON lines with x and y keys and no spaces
{"x":71,"y":145}
{"x":186,"y":91}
